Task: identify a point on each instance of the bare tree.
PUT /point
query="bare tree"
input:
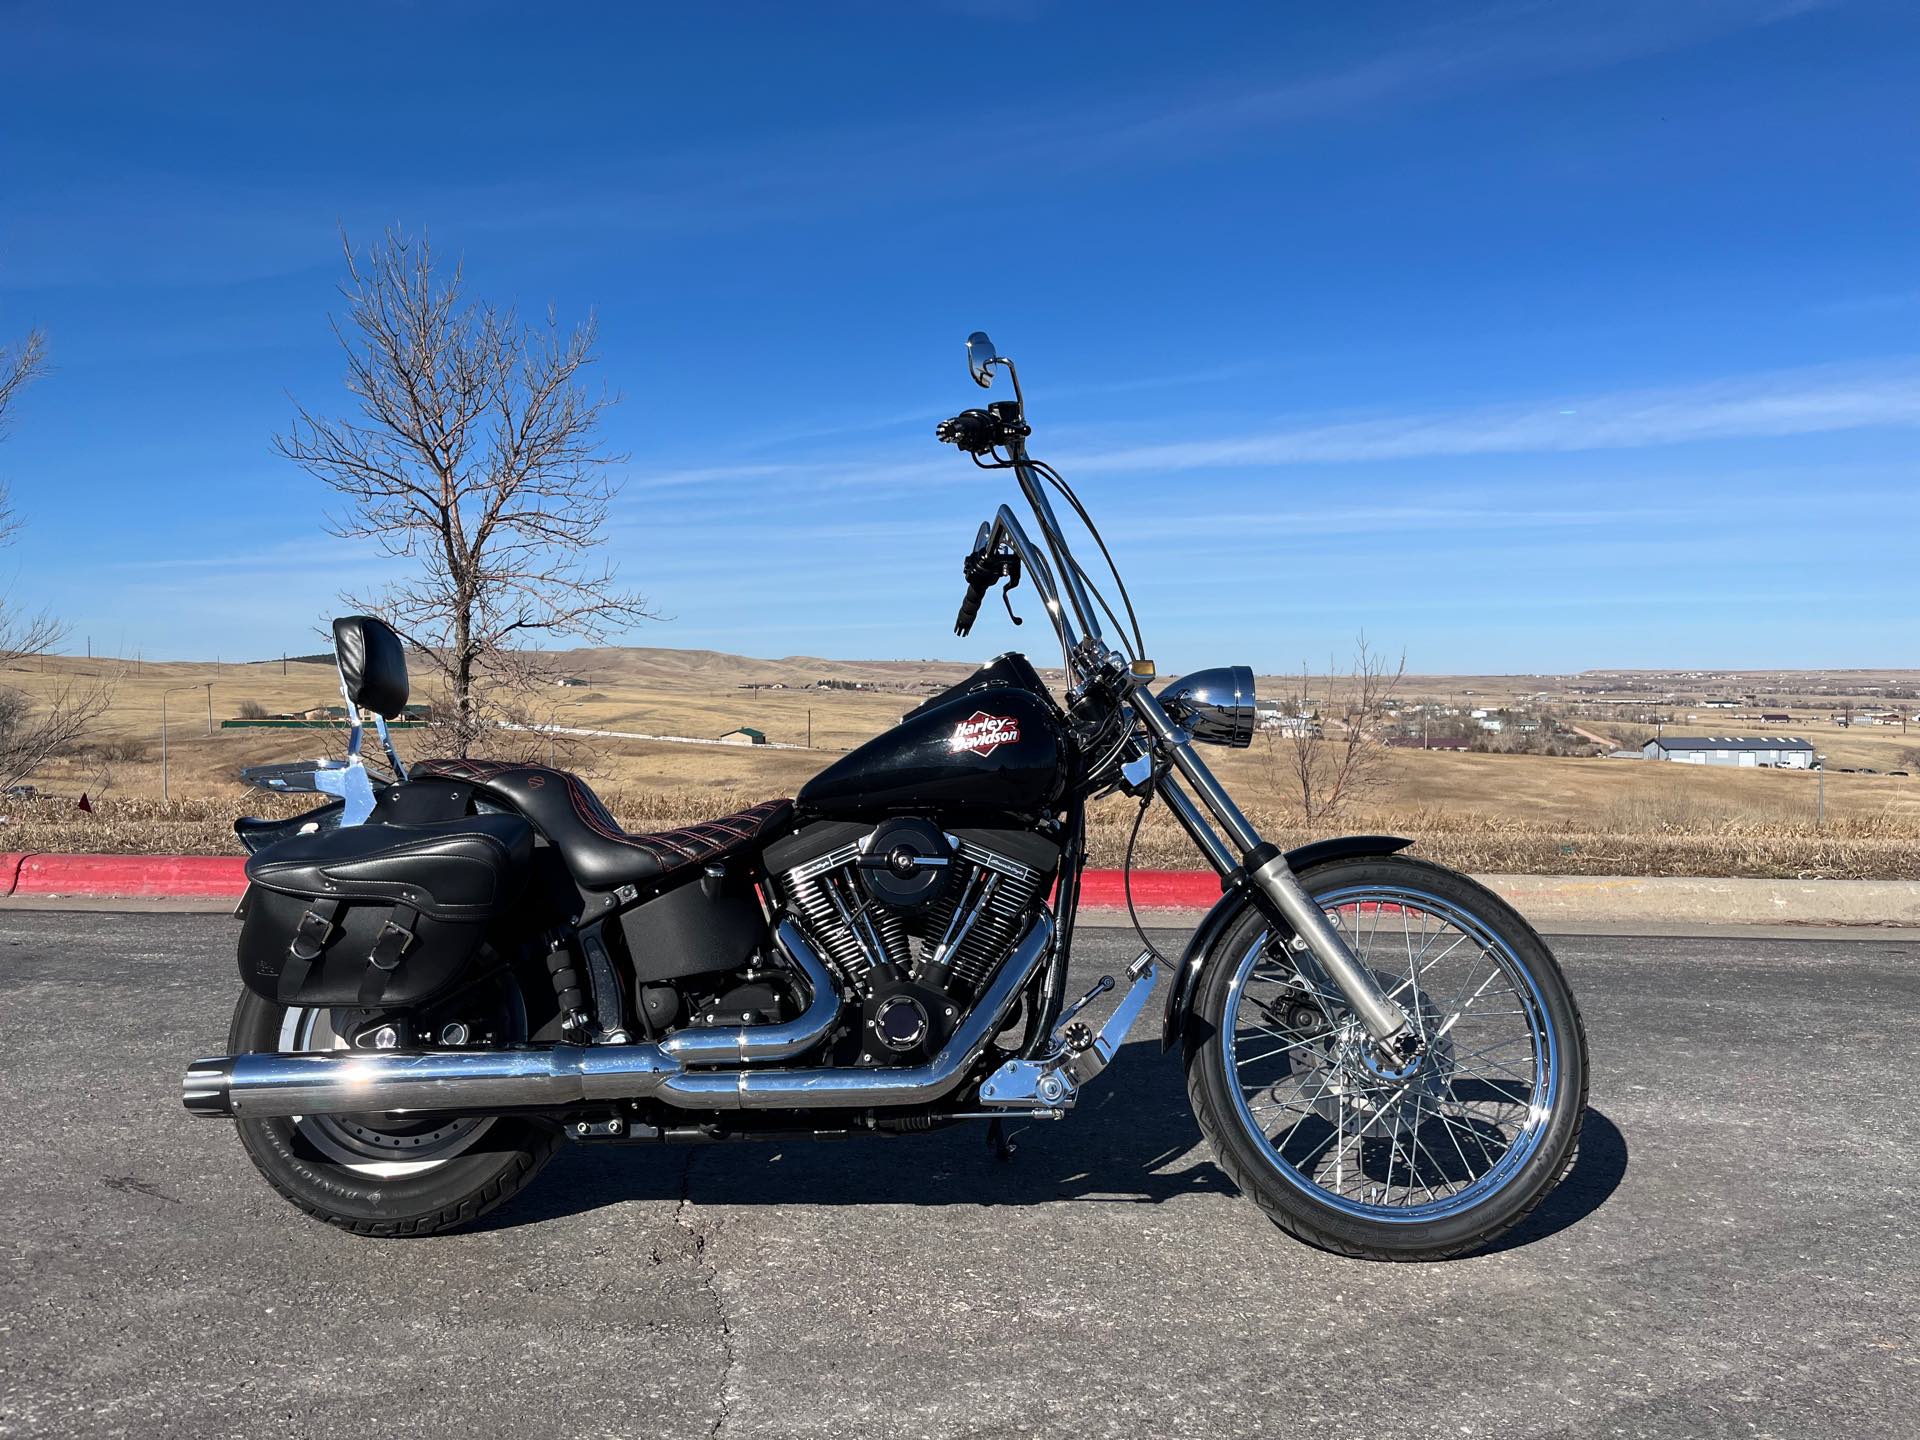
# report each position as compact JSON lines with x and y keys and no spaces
{"x":475,"y":453}
{"x":34,"y":730}
{"x":1333,"y":755}
{"x":20,"y":366}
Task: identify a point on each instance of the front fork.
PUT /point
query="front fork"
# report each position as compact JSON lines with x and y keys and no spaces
{"x":1269,"y":879}
{"x":1049,"y":1084}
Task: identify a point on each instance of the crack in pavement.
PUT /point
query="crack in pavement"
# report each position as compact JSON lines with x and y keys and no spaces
{"x":701,"y":1232}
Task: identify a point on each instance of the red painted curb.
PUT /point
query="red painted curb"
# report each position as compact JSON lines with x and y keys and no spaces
{"x":208,"y":877}
{"x":185,"y":877}
{"x":1152,"y":889}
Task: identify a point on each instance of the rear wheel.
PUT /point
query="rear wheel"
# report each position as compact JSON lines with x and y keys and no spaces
{"x":392,"y":1174}
{"x":1416,"y":1163}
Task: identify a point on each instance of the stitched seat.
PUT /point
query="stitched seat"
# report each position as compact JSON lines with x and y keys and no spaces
{"x":599,"y":853}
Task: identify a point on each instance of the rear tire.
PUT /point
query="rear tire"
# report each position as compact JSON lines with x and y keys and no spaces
{"x":1273,"y":1137}
{"x":386,"y":1198}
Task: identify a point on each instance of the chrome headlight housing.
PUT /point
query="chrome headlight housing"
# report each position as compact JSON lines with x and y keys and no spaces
{"x":1216,"y":706}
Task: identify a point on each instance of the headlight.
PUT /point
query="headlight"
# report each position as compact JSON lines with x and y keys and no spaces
{"x":1214,"y":705}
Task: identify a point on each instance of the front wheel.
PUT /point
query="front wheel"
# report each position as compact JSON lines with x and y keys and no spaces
{"x":1342,"y":1151}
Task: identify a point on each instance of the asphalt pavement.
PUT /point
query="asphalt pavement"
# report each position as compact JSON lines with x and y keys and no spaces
{"x":1734,"y":1254}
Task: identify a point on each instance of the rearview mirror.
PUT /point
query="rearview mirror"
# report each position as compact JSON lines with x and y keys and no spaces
{"x":981,"y":358}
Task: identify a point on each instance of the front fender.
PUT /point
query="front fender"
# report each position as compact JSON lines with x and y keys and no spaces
{"x":1186,"y":975}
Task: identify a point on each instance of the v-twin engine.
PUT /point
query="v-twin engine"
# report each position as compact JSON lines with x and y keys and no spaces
{"x":909,"y":901}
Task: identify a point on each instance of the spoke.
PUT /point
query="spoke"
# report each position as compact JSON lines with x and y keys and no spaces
{"x":1496,"y":1064}
{"x":1340,"y":1152}
{"x":1255,"y":1059}
{"x":1414,"y":980}
{"x":1330,"y":1076}
{"x":1421,"y":1146}
{"x":1456,"y":1014}
{"x":1466,"y":1165}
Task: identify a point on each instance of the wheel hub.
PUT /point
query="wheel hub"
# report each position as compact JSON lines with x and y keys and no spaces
{"x":1372,"y":1093}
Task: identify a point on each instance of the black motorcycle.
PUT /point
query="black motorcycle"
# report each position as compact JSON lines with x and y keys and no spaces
{"x":450,"y":971}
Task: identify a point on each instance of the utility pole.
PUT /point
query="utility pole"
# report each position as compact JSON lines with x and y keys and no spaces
{"x":209,"y":707}
{"x":809,"y":729}
{"x":166,"y":793}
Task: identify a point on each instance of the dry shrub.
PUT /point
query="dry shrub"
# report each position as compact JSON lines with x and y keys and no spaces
{"x":113,"y":750}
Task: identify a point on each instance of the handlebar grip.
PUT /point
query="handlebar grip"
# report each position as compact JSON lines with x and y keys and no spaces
{"x":970,"y":607}
{"x":981,"y":572}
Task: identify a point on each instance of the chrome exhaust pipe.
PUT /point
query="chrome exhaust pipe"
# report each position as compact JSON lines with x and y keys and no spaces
{"x":844,"y":1088}
{"x":484,"y":1081}
{"x":551,"y":1077}
{"x":248,"y":1087}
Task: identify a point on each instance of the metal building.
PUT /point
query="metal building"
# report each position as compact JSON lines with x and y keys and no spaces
{"x":1781,"y":752}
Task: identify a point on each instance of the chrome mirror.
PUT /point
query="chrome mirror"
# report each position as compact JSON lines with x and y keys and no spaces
{"x":981,"y":358}
{"x":1215,"y":706}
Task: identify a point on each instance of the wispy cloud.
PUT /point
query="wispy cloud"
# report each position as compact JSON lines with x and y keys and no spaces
{"x":1772,"y":404}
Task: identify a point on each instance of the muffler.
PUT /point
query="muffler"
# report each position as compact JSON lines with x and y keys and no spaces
{"x":483,"y":1081}
{"x":553,"y":1077}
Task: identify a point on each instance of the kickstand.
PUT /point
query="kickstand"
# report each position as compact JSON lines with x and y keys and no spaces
{"x":999,"y":1141}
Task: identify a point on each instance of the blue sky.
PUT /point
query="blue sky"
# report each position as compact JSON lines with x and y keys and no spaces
{"x":1521,"y":336}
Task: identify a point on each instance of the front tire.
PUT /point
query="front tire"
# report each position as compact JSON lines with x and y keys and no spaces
{"x":1421,"y":1166}
{"x":381,"y":1175}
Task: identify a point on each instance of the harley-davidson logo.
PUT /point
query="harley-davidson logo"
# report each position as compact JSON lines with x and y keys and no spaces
{"x":983,"y":734}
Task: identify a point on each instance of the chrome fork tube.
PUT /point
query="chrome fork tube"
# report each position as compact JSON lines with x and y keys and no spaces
{"x":1273,"y":877}
{"x":1196,"y":826}
{"x":1031,"y":487}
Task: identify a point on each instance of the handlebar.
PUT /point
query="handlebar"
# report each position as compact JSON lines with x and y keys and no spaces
{"x":979,"y":431}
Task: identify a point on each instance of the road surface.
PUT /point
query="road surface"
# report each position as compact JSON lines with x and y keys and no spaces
{"x":1735,"y":1253}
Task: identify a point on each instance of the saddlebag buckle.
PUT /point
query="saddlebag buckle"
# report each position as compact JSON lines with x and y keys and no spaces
{"x":314,"y":930}
{"x":392,"y":941}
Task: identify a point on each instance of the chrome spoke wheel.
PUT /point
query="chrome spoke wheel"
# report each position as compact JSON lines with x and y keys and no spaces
{"x":1396,"y":1145}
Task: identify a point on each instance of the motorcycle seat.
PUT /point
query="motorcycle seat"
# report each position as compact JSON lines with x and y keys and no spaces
{"x":598,"y":852}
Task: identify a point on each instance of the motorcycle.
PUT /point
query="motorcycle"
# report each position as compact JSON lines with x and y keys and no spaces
{"x":451,"y":970}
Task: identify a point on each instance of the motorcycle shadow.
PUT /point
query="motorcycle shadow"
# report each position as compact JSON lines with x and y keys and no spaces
{"x":1132,"y":1140}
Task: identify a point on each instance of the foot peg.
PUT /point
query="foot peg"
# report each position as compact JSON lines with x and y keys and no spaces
{"x":1075,"y":1054}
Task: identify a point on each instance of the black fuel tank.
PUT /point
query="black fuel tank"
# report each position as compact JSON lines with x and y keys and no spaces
{"x":990,"y":746}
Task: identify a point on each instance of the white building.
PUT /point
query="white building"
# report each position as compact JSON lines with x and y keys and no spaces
{"x":1779,"y":752}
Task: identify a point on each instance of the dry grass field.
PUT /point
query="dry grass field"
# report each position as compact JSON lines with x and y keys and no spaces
{"x":1484,"y":812}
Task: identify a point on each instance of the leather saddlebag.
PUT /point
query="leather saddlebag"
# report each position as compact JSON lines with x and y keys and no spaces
{"x":378,"y":915}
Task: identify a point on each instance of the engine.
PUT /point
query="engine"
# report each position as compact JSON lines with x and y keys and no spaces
{"x":916,"y":920}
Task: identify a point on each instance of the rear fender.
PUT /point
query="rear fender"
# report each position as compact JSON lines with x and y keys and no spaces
{"x":1186,"y":975}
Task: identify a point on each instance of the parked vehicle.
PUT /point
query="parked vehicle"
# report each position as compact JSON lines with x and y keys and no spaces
{"x":450,"y":971}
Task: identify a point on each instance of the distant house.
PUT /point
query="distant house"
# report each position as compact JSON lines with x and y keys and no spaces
{"x":1776,"y":717}
{"x":745,"y":735}
{"x":571,"y":682}
{"x":1780,"y":752}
